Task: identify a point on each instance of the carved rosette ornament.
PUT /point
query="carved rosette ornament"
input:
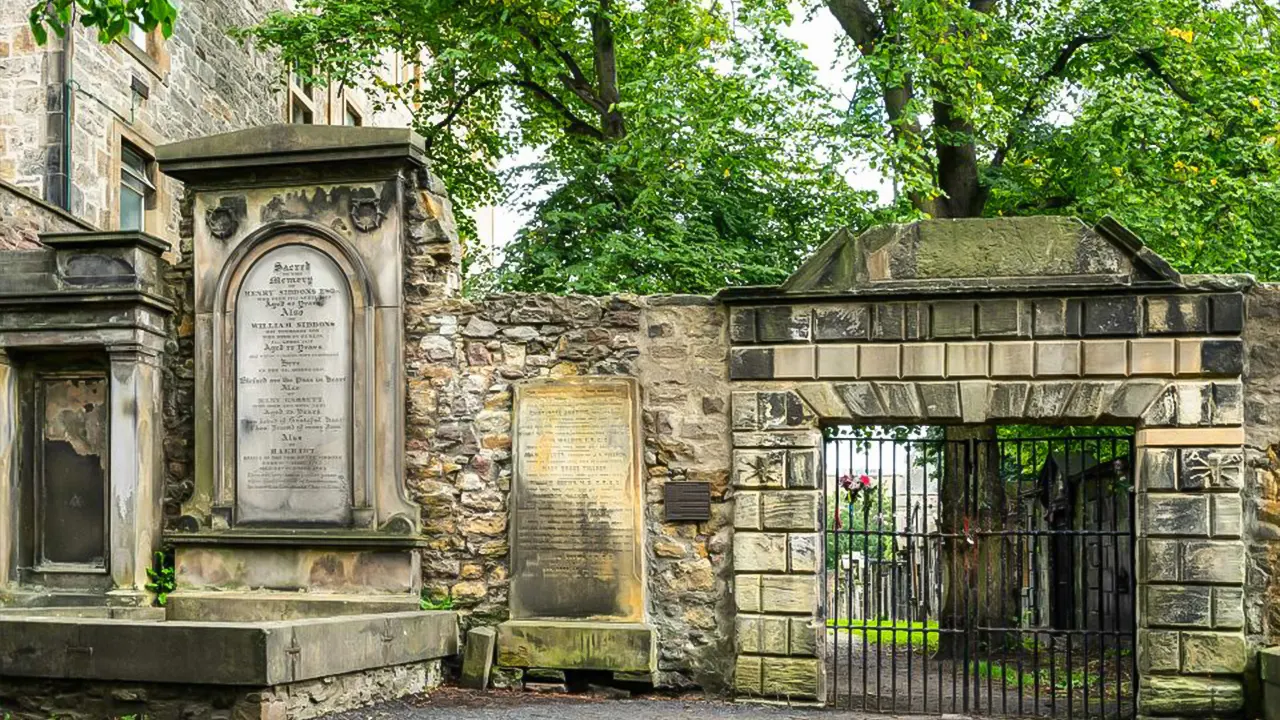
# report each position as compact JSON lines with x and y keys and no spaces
{"x":366,"y":216}
{"x":222,"y":221}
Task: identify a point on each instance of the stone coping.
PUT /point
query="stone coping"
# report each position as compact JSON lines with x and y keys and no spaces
{"x":286,"y":145}
{"x":231,"y":606}
{"x":257,"y":654}
{"x":310,"y":538}
{"x":96,"y":240}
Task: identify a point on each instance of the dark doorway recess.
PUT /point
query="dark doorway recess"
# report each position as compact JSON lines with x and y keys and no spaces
{"x":980,"y":572}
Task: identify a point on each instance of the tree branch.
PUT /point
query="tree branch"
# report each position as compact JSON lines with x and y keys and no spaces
{"x":457,"y":107}
{"x":577,"y":125}
{"x":1056,"y":70}
{"x":1148,"y":59}
{"x":859,"y":22}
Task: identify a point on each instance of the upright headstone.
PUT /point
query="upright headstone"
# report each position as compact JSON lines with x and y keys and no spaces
{"x":577,"y":550}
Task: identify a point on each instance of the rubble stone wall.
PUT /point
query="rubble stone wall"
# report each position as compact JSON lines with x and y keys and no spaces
{"x":462,"y":359}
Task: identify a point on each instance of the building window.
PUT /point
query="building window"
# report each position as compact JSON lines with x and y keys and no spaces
{"x":302,"y":99}
{"x":136,"y":189}
{"x":351,"y":116}
{"x":138,"y":36}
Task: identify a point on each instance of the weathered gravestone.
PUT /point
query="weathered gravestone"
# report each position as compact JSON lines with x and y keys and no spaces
{"x":577,"y":552}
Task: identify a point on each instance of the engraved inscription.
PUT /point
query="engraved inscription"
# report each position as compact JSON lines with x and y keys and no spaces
{"x":576,"y":510}
{"x":293,"y":389}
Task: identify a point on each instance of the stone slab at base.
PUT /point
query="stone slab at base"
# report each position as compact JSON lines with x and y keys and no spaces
{"x":577,"y":645}
{"x":221,"y":653}
{"x":1269,"y":670}
{"x":267,"y":607}
{"x":41,"y":699}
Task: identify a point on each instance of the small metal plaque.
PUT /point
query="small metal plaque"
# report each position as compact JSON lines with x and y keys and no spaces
{"x":687,"y":501}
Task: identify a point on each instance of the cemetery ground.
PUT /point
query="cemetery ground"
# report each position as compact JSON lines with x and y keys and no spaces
{"x":453,"y":703}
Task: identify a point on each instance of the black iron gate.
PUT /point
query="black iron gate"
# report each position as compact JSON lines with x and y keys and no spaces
{"x":979,"y":575}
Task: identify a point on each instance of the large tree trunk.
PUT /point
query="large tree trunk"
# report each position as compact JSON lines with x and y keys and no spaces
{"x":980,"y":583}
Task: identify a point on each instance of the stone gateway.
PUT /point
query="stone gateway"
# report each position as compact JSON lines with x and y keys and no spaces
{"x":293,"y":390}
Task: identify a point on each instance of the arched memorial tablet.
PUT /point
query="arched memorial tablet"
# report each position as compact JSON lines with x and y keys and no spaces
{"x":293,"y":390}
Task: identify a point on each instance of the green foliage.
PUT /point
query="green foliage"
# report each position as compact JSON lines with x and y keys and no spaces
{"x":111,"y":18}
{"x":428,"y":602}
{"x":1163,"y":113}
{"x":871,"y":512}
{"x":919,"y":636}
{"x":711,"y":157}
{"x":161,"y":578}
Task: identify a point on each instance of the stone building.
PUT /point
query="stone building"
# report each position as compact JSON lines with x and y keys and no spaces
{"x":80,"y":121}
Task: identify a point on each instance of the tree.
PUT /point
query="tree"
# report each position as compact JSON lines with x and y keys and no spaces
{"x":1163,"y":113}
{"x":684,"y":146}
{"x":111,"y":18}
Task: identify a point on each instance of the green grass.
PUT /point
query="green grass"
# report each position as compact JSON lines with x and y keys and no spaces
{"x":899,"y":633}
{"x":995,"y":671}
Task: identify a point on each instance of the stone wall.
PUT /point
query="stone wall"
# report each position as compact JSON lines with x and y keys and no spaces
{"x":23,"y":217}
{"x":200,"y":81}
{"x":462,"y":358}
{"x":37,"y":699}
{"x":1262,"y":468}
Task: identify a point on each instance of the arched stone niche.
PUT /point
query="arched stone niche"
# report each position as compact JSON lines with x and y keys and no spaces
{"x":294,"y":374}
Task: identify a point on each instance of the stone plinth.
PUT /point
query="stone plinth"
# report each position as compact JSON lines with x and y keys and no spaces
{"x":577,"y":645}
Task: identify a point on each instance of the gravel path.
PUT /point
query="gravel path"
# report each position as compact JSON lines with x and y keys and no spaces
{"x":454,"y":704}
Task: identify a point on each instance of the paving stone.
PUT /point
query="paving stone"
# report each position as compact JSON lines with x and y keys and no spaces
{"x":841,"y":322}
{"x":1111,"y":316}
{"x":1177,"y":314}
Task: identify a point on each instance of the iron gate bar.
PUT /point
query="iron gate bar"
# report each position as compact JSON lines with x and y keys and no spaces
{"x":1035,"y":519}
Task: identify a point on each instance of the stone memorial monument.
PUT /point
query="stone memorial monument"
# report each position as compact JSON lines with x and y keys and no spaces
{"x":577,"y":553}
{"x":299,"y":484}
